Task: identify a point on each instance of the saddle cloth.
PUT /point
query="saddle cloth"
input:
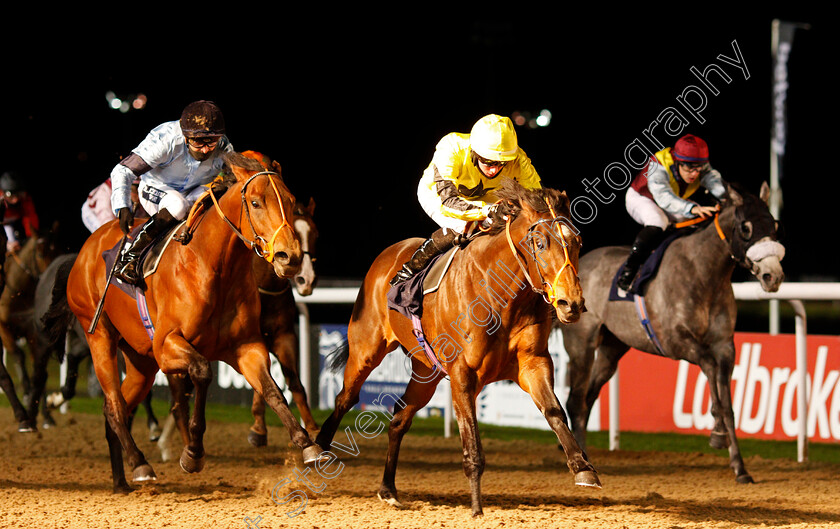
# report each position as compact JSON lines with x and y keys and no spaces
{"x":149,"y":259}
{"x":407,"y":296}
{"x":648,"y":269}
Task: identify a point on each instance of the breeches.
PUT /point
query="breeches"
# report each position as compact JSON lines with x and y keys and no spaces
{"x":157,"y":197}
{"x":646,"y":212}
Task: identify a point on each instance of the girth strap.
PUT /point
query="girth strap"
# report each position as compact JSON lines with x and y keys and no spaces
{"x":641,"y":310}
{"x":421,"y":339}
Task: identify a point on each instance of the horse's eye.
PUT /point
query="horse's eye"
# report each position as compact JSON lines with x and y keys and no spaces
{"x":746,"y":229}
{"x":255,"y":204}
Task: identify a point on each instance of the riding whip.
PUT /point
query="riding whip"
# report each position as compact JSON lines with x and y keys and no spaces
{"x":110,"y":277}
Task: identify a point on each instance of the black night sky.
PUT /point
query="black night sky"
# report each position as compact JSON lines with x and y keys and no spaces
{"x":353,"y":110}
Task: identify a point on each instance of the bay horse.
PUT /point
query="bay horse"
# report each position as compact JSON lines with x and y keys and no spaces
{"x":203,"y":306}
{"x":690,"y":305}
{"x":21,"y":271}
{"x":277,"y":321}
{"x":75,"y":353}
{"x":496,"y":338}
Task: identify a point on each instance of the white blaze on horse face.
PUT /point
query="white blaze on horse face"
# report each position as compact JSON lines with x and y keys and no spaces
{"x":306,"y":277}
{"x":766,"y":256}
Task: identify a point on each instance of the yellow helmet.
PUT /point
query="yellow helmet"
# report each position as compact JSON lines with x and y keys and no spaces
{"x":494,"y":138}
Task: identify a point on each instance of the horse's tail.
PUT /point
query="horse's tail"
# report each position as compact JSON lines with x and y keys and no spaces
{"x":58,"y":317}
{"x":337,"y":359}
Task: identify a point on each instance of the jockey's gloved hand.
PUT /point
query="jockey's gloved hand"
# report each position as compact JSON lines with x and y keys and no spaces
{"x":126,"y":219}
{"x":705,"y":211}
{"x":488,"y":209}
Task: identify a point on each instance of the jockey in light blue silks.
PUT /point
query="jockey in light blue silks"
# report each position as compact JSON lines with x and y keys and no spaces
{"x":174,"y":163}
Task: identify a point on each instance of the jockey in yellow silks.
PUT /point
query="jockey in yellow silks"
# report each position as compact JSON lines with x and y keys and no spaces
{"x":457,"y":188}
{"x":660,"y":193}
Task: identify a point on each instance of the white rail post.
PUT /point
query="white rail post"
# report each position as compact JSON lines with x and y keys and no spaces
{"x":447,"y":412}
{"x":304,"y":351}
{"x":802,"y":397}
{"x":615,"y":432}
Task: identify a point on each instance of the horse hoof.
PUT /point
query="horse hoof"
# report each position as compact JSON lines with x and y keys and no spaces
{"x":718,"y":440}
{"x":257,"y":439}
{"x":154,"y":432}
{"x":390,"y":499}
{"x":744,"y":478}
{"x":27,"y":426}
{"x":123,"y":488}
{"x":587,"y":478}
{"x":190,"y":464}
{"x":144,"y":473}
{"x":312,"y":454}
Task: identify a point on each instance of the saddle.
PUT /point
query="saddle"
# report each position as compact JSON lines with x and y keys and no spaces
{"x":148,"y":262}
{"x":649,"y":269}
{"x":407,"y":296}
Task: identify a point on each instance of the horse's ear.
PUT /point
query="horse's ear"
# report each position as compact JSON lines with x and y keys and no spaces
{"x":311,"y":206}
{"x":240,"y":173}
{"x":242,"y":166}
{"x":276,"y":166}
{"x":734,"y":196}
{"x":563,"y":199}
{"x":764,"y":194}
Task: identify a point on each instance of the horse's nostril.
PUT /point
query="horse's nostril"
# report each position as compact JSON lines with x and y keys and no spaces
{"x":300,"y":281}
{"x":767,"y":277}
{"x":283,"y":257}
{"x":562,"y":302}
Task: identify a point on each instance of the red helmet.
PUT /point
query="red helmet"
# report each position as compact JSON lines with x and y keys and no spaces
{"x":692,"y":149}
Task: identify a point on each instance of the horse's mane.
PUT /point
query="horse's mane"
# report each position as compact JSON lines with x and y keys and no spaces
{"x":513,"y":196}
{"x":226,"y":177}
{"x":223,"y":182}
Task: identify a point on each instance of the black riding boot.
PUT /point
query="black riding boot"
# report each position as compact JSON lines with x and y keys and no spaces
{"x":438,"y":243}
{"x":126,"y":269}
{"x":646,"y":241}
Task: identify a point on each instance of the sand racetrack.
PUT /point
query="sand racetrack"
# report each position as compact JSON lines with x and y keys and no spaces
{"x":60,"y":478}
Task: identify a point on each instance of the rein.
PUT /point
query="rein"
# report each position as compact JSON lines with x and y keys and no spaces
{"x":263,"y":248}
{"x":548,"y":290}
{"x":698,"y":220}
{"x":721,"y":234}
{"x":22,"y":265}
{"x":275,"y":292}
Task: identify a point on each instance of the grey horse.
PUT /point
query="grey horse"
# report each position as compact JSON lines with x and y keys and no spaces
{"x":690,"y":305}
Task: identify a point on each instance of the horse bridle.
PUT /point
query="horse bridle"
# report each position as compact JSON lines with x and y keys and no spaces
{"x":263,"y":248}
{"x":548,"y":289}
{"x":736,"y":252}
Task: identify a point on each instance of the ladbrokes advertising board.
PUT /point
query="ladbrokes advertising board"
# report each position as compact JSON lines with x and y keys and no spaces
{"x":661,"y":395}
